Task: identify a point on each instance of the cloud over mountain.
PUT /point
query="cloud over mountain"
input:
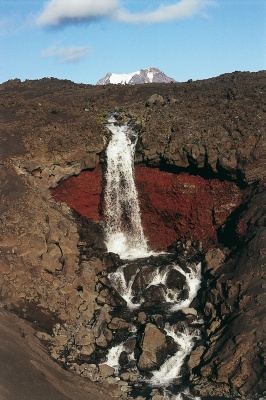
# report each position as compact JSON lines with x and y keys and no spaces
{"x":70,"y":54}
{"x":61,"y":12}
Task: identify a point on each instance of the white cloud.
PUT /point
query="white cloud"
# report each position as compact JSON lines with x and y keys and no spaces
{"x":60,"y":12}
{"x":57,"y":12}
{"x":165,"y":13}
{"x":70,"y":54}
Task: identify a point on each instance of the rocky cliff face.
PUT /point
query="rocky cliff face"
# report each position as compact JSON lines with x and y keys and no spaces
{"x":201,"y":175}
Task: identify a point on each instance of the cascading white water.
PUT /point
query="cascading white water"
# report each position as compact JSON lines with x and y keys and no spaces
{"x":113,"y":356}
{"x":125,"y":237}
{"x":124,"y":232}
{"x":170,"y":370}
{"x":123,"y":287}
{"x":171,"y":296}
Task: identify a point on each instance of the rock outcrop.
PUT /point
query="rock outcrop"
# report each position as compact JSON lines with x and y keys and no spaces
{"x":234,"y":305}
{"x":205,"y":144}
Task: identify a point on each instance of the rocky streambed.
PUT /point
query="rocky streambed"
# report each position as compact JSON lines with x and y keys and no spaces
{"x":201,"y":177}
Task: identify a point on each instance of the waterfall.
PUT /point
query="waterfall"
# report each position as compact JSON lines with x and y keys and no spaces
{"x":124,"y":232}
{"x":145,"y":282}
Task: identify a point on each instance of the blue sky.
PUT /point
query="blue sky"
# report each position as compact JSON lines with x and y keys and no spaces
{"x":82,"y":40}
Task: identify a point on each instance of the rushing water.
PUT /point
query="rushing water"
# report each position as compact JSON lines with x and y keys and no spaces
{"x":124,"y":231}
{"x":125,"y":237}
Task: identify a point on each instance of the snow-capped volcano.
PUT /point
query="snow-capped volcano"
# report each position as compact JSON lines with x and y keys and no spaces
{"x":147,"y":75}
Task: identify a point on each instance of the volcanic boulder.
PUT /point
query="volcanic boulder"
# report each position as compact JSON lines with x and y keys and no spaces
{"x":154,"y":348}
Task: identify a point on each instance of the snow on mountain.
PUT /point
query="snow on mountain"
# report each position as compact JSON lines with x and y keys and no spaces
{"x":147,"y":75}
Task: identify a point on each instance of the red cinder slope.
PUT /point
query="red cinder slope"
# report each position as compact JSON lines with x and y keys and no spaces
{"x":82,"y":192}
{"x":175,"y":206}
{"x":172,"y":206}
